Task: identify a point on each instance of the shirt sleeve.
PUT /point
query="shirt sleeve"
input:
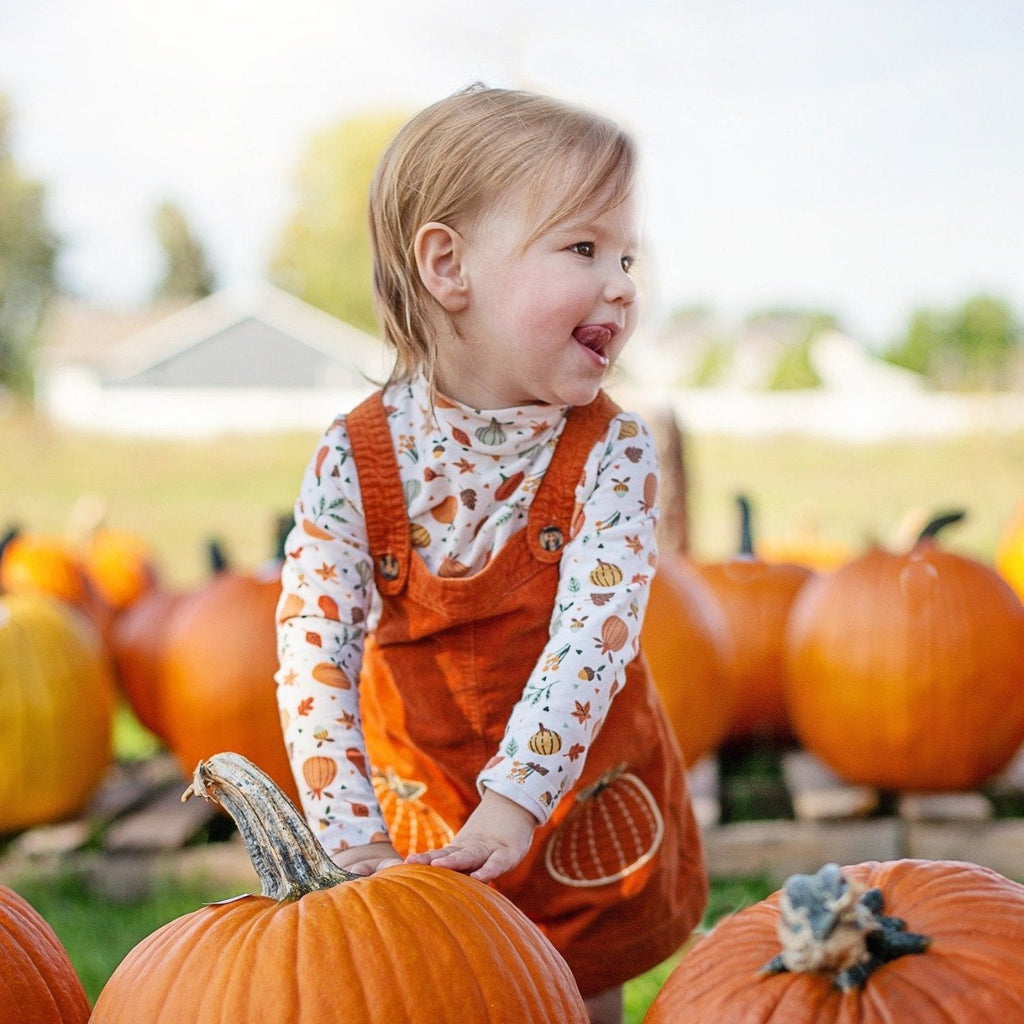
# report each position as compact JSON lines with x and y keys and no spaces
{"x":326,"y":594}
{"x":595,"y":626}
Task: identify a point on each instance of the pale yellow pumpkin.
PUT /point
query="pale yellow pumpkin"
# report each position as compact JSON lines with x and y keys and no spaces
{"x":56,"y":703}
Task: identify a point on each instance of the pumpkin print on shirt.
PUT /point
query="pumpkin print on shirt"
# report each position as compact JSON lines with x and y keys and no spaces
{"x":469,"y":478}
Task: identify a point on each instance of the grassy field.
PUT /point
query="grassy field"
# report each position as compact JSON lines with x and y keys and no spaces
{"x":178,"y":495}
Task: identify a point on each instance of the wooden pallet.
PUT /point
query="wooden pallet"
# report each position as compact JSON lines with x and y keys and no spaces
{"x":137,"y":832}
{"x":831,"y":820}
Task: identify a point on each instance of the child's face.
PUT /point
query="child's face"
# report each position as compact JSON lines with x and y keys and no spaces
{"x":542,"y":323}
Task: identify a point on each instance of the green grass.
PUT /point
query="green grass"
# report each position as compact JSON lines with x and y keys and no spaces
{"x":98,"y":933}
{"x":178,"y":495}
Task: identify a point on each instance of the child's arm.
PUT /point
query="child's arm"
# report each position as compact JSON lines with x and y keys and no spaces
{"x":604,"y":578}
{"x":326,"y":591}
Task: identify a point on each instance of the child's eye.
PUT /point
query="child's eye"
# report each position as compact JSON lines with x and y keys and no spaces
{"x":582,"y":248}
{"x":628,"y":262}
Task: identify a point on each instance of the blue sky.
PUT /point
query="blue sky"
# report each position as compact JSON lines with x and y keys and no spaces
{"x":865,"y":156}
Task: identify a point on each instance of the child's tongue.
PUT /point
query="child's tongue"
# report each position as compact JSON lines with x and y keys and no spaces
{"x":594,"y":336}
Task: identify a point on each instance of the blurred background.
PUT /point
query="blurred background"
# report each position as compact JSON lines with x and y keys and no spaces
{"x":833,"y":282}
{"x":833,"y":214}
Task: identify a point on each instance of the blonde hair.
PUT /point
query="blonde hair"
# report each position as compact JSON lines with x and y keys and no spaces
{"x":458,"y":158}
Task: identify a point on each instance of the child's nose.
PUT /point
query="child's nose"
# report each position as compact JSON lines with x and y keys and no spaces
{"x":620,"y":287}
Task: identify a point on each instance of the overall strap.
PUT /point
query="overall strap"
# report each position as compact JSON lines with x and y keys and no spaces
{"x":550,"y":521}
{"x":380,"y":484}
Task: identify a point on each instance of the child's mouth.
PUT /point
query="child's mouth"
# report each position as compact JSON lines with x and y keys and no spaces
{"x":596,"y":338}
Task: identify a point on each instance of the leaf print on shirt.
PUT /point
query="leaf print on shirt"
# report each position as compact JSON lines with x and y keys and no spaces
{"x":582,"y":712}
{"x":322,"y":515}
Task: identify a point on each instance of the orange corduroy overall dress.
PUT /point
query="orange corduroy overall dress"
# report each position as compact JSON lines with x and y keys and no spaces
{"x":616,"y":877}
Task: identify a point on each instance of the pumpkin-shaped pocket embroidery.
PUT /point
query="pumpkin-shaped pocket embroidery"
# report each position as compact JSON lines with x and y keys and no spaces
{"x":413,"y":825}
{"x":614,"y":829}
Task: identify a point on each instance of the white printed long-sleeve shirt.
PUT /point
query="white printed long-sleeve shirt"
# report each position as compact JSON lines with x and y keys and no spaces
{"x":469,"y":477}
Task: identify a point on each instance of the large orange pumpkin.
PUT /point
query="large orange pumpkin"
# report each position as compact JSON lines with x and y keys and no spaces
{"x":756,"y":596}
{"x":216,"y":679}
{"x":411,"y":943}
{"x":40,"y":985}
{"x":689,"y":652}
{"x":970,"y":971}
{"x":56,"y":702}
{"x":906,"y":670}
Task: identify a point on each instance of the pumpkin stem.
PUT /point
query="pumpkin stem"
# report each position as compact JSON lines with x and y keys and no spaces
{"x":746,"y":548}
{"x":289,"y":860}
{"x":282,"y":528}
{"x":833,"y":926}
{"x":216,"y":555}
{"x":12,"y":533}
{"x":939,"y":523}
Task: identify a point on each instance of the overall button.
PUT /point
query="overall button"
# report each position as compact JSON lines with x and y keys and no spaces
{"x":551,"y":538}
{"x":388,"y":566}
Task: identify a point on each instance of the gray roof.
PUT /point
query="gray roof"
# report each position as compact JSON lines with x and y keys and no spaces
{"x":253,"y":336}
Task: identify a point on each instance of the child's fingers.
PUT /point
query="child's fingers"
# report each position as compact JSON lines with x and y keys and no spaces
{"x":457,"y":858}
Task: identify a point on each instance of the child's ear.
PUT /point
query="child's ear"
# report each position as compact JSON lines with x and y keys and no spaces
{"x":438,"y":250}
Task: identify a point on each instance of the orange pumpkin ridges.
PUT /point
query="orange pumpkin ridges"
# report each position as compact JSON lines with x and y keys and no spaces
{"x":309,"y":948}
{"x":971,"y":971}
{"x":40,"y":982}
{"x":412,"y":825}
{"x":885,"y":690}
{"x":618,"y":804}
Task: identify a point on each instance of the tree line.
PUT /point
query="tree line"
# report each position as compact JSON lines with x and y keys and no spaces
{"x":322,"y":255}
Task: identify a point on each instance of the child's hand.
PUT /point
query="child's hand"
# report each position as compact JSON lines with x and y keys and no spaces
{"x":494,"y":840}
{"x":365,"y":860}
